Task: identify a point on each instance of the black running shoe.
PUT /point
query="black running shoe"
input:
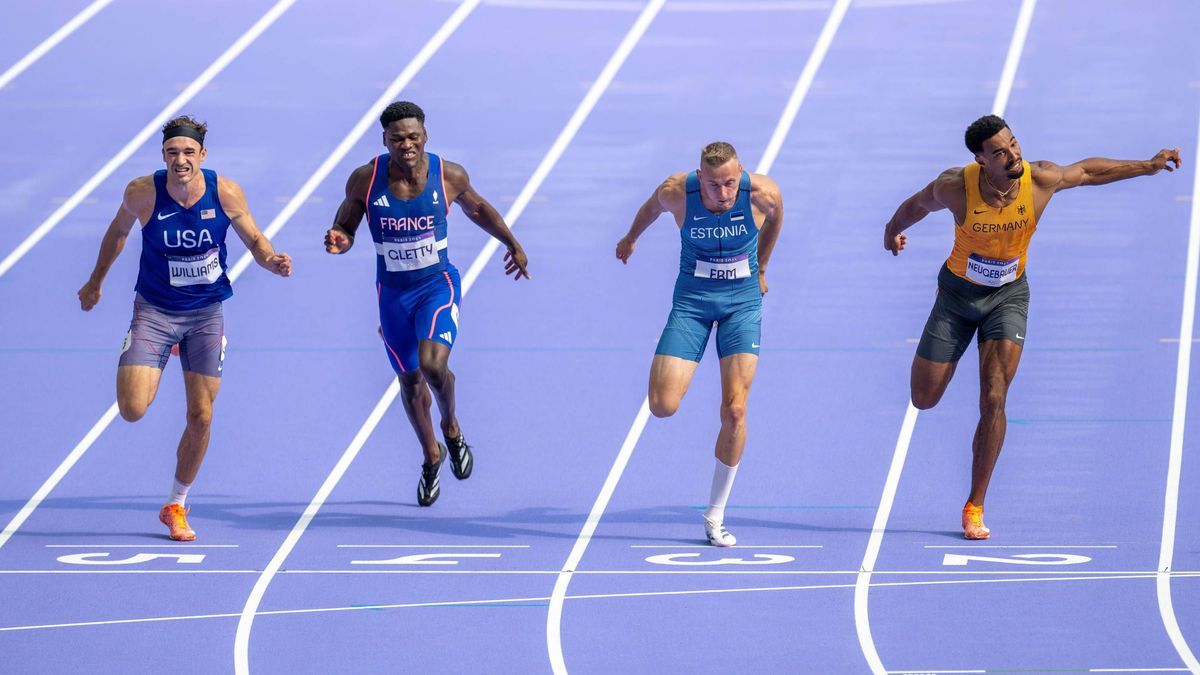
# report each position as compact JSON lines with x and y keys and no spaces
{"x":428,"y":488}
{"x":461,"y":460}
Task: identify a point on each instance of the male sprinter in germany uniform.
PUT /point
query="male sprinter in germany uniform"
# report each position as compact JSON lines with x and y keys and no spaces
{"x":185,"y":213}
{"x":996,"y":203}
{"x":405,"y":195}
{"x":728,"y":222}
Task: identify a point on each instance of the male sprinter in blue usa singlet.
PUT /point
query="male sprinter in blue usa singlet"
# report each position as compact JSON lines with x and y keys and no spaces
{"x":728,"y":222}
{"x":185,"y":213}
{"x":405,"y":195}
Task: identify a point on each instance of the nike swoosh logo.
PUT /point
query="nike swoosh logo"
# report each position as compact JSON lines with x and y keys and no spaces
{"x":164,"y":217}
{"x":1020,"y":337}
{"x":699,"y":217}
{"x":979,"y":211}
{"x":754,"y":345}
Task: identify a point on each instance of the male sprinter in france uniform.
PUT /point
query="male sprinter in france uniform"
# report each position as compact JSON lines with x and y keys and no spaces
{"x":405,"y":195}
{"x":185,"y":213}
{"x":728,"y":222}
{"x":996,"y":203}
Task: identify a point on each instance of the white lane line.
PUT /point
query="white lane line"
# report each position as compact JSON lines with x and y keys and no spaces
{"x":669,"y":572}
{"x":598,"y":596}
{"x":241,"y":649}
{"x":862,"y":622}
{"x":554,"y":616}
{"x":152,"y":127}
{"x":186,"y":95}
{"x":141,"y":545}
{"x":707,"y":546}
{"x":1187,"y":324}
{"x":241,"y":646}
{"x":72,"y":457}
{"x":1023,"y":546}
{"x":431,"y":546}
{"x":51,"y":42}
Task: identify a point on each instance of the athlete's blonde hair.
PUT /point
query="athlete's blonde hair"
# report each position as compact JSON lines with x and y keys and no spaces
{"x":716,"y":154}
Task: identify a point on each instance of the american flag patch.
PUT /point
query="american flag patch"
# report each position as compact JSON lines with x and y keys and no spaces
{"x":206,"y":214}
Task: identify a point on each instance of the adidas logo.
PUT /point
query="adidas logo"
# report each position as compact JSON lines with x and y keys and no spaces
{"x":382,"y":201}
{"x":447,"y":336}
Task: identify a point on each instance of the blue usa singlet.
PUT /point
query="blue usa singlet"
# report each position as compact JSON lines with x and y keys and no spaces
{"x":183,"y":250}
{"x":719,"y":247}
{"x":409,"y":234}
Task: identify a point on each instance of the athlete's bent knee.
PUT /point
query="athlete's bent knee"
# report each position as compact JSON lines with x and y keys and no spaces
{"x":924,"y":401}
{"x":662,"y":407}
{"x":733,"y":414}
{"x":199,"y":418}
{"x":131,"y":412}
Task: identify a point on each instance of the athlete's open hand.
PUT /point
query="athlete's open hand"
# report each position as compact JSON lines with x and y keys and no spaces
{"x":1164,"y":159}
{"x":337,"y":241}
{"x":895,"y":243}
{"x":625,"y":249}
{"x":89,"y":295}
{"x":515,"y":261}
{"x":281,"y":264}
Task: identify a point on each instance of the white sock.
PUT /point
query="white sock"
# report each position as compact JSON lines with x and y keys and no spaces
{"x":178,"y":493}
{"x":722,"y":485}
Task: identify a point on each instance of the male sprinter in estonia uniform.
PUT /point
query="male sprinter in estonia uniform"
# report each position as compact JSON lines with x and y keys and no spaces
{"x":728,"y":222}
{"x":996,"y":203}
{"x":185,"y":213}
{"x":405,"y":195}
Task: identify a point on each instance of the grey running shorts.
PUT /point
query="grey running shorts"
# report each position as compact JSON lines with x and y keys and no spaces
{"x":962,"y":308}
{"x":200,"y":334}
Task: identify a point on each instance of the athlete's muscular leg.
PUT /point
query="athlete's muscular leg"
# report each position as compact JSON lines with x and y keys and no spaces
{"x":929,"y":381}
{"x":136,"y":389}
{"x":998,"y":360}
{"x":201,"y":393}
{"x":417,"y":401}
{"x":434,"y":357}
{"x":670,"y":377}
{"x":737,"y":373}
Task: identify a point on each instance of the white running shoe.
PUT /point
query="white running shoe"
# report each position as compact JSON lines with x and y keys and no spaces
{"x":717,"y":534}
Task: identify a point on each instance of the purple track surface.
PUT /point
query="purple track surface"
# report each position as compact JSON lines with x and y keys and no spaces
{"x":551,"y":372}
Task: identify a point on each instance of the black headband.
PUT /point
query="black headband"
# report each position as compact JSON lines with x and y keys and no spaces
{"x":180,"y":130}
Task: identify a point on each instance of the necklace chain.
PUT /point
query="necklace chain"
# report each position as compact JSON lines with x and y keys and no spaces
{"x":1003,"y":194}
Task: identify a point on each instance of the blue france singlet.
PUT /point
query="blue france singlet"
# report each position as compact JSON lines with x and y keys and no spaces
{"x":183,"y":250}
{"x":718,"y":246}
{"x":409,"y":234}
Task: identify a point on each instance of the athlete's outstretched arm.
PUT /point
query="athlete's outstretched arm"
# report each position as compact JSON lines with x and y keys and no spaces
{"x":769,"y":200}
{"x":233,"y":202}
{"x":1100,"y":171}
{"x":340,"y":237}
{"x":132,"y":204}
{"x":486,"y":217}
{"x":668,"y":196}
{"x":931,"y":198}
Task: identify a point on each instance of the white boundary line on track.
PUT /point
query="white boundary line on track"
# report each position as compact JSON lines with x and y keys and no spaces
{"x":241,"y":647}
{"x":186,"y":95}
{"x":554,"y":615}
{"x":147,"y":131}
{"x":51,"y":42}
{"x":1178,"y":420}
{"x":598,"y":596}
{"x":862,"y":622}
{"x":433,"y":545}
{"x":648,"y":572}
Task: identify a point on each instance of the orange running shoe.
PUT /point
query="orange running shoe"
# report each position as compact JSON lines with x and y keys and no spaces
{"x":972,"y":522}
{"x":174,"y":516}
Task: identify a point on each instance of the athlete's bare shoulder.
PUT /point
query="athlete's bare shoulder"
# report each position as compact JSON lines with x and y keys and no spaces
{"x":672,"y":193}
{"x":139,"y":197}
{"x":359,"y":183}
{"x":1045,"y":174}
{"x":764,"y":191}
{"x":456,"y":176}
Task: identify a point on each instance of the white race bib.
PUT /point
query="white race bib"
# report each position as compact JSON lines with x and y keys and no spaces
{"x":410,"y":253}
{"x":737,"y":267}
{"x":195,"y":269}
{"x":990,"y":272}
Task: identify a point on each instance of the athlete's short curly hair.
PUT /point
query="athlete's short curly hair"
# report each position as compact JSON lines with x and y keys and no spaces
{"x":401,"y":110}
{"x":982,"y":129}
{"x":188,"y":122}
{"x":716,"y":154}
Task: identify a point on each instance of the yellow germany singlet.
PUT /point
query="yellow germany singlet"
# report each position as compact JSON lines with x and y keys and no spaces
{"x":990,"y":246}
